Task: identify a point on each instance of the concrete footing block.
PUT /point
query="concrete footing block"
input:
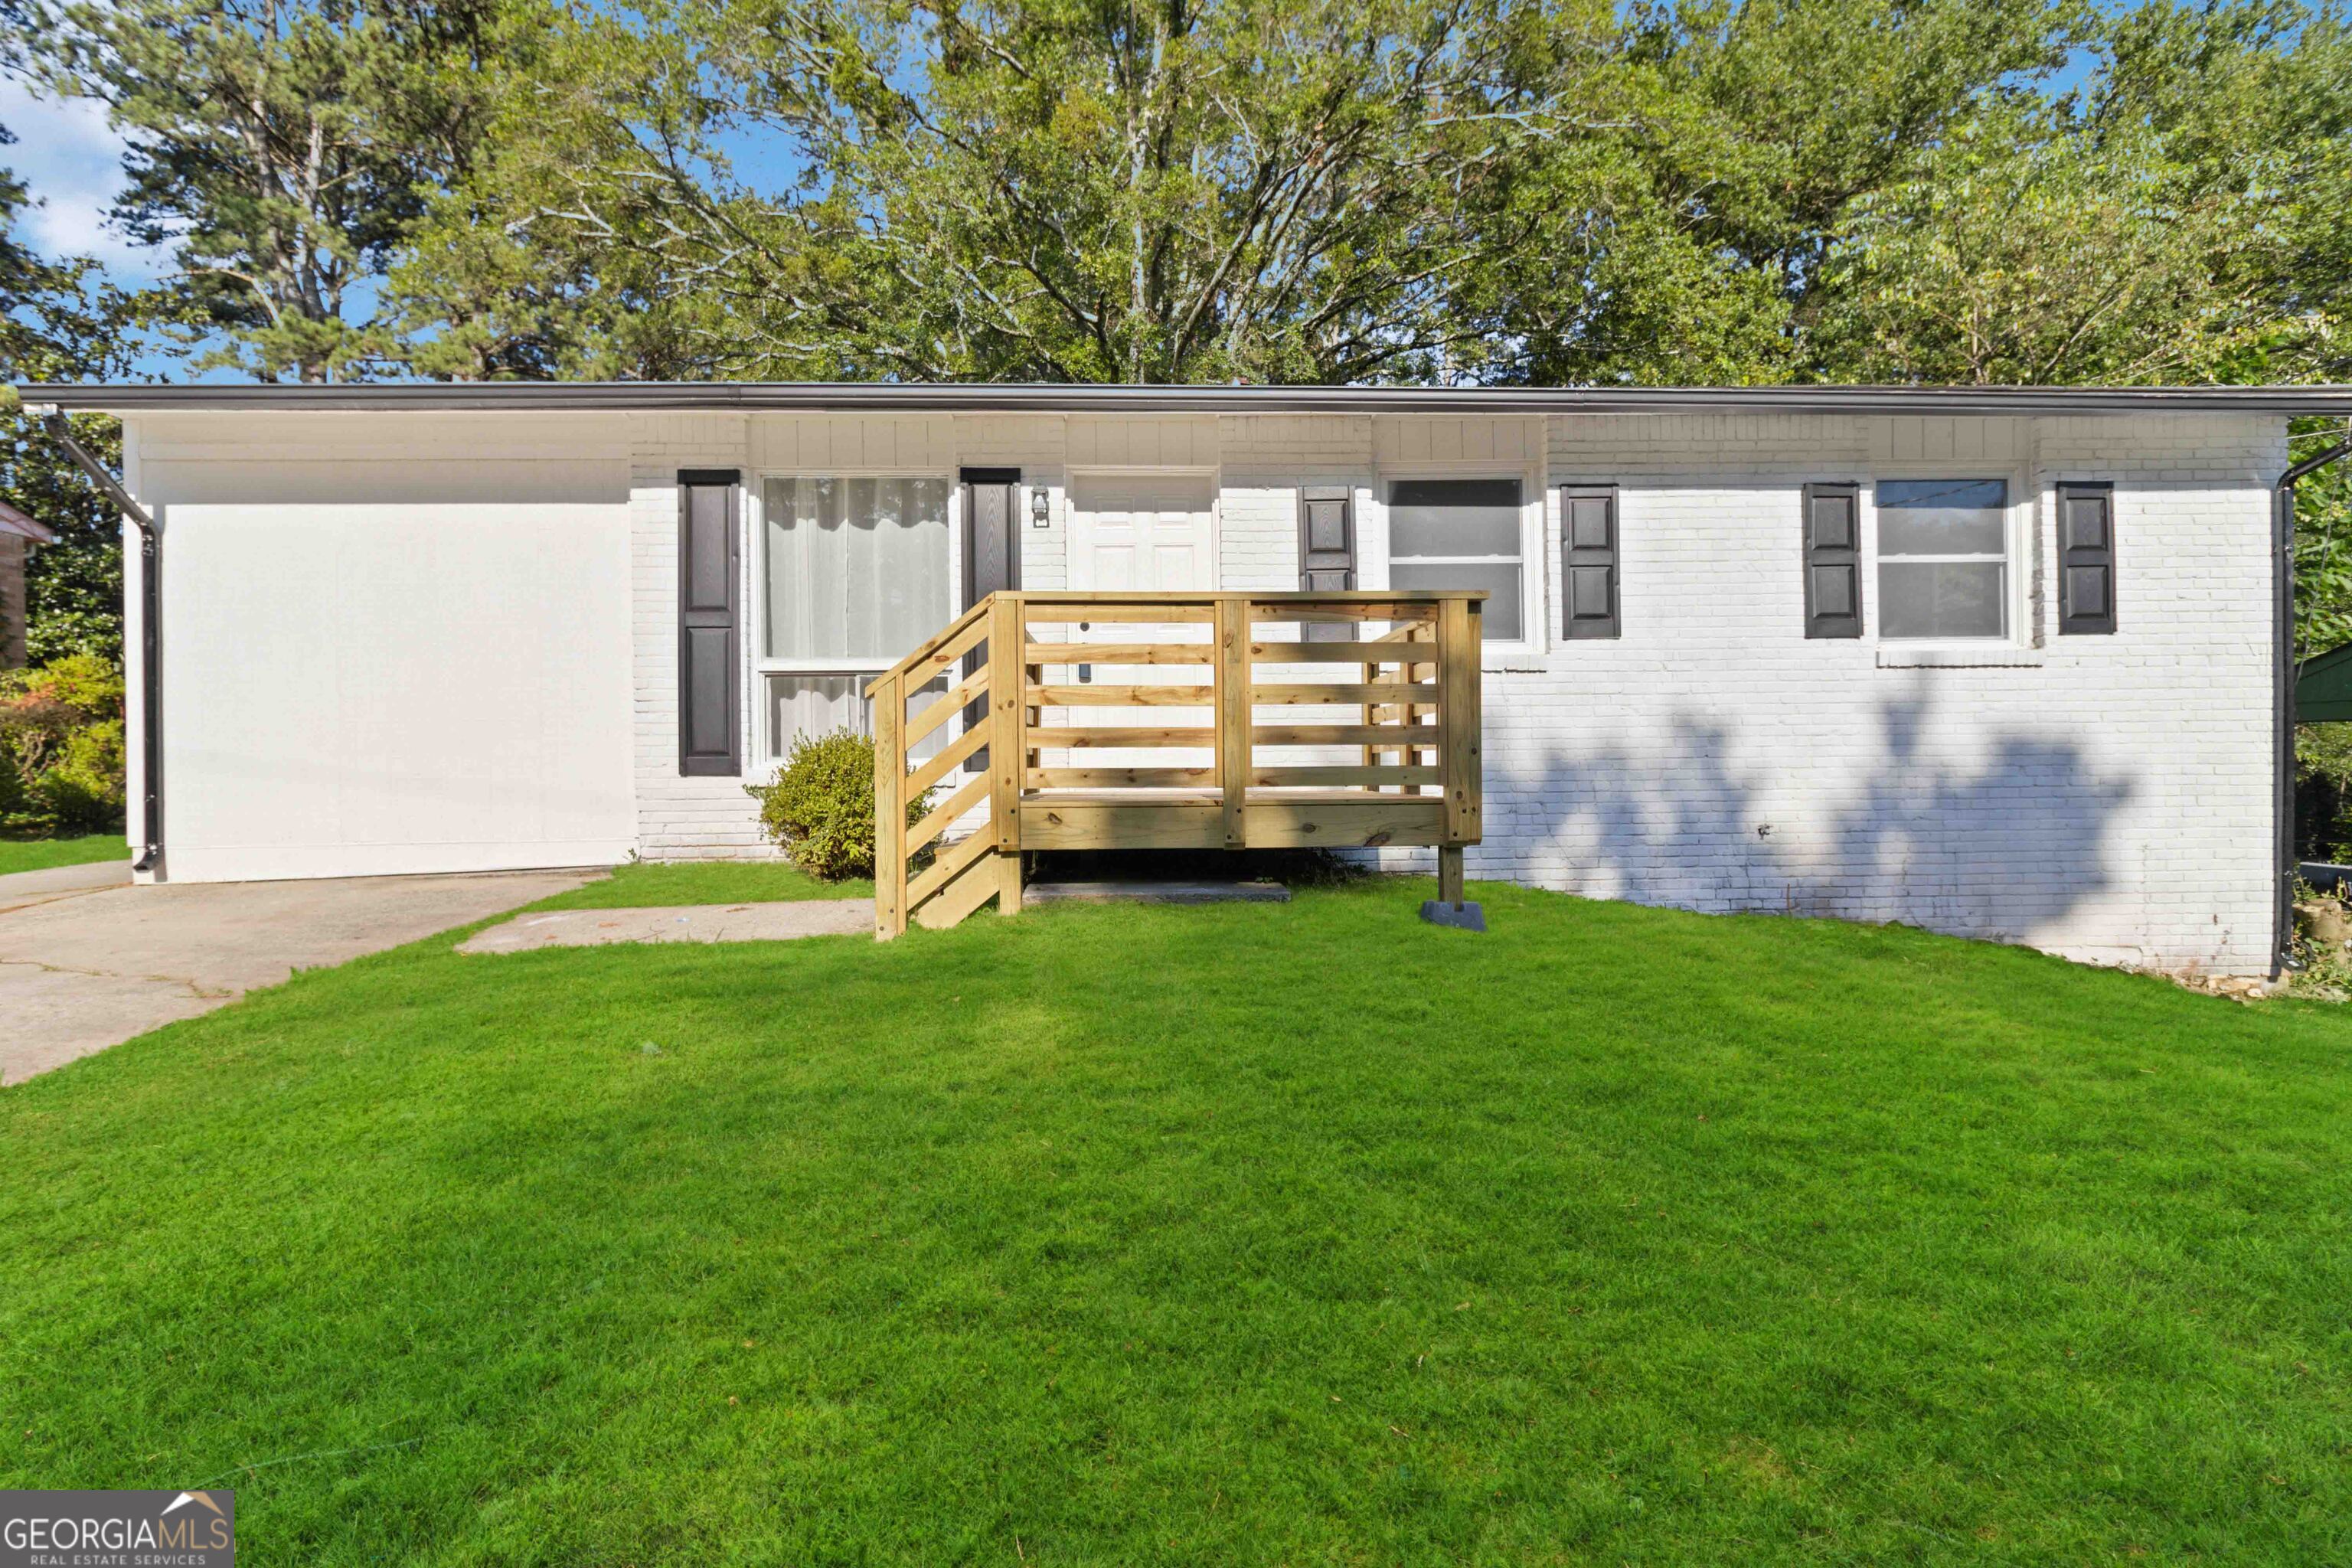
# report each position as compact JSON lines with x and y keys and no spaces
{"x":1462,"y":917}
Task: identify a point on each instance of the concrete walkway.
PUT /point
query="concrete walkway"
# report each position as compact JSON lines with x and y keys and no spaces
{"x":84,"y":968}
{"x":22,"y":890}
{"x":690,"y":922}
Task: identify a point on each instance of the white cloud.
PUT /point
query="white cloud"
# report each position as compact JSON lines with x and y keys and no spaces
{"x":71,"y":161}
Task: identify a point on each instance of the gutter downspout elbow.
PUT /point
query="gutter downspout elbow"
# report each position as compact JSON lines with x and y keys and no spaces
{"x":151,"y":634}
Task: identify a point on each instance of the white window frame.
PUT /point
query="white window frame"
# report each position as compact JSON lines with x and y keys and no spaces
{"x":1534,"y":580}
{"x":2017,"y":515}
{"x":762,"y":750}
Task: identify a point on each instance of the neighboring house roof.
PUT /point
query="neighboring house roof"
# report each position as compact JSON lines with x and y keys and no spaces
{"x":985,"y":398}
{"x":14,"y":521}
{"x":2323,"y":688}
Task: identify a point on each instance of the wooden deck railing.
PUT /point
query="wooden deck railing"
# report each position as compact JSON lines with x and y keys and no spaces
{"x":1146,"y":720}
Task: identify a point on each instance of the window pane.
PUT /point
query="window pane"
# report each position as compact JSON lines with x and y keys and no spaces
{"x":1501,"y":582}
{"x":815,"y":705}
{"x":858,"y":568}
{"x":1943,"y":598}
{"x":1454,"y":517}
{"x":1942,"y":517}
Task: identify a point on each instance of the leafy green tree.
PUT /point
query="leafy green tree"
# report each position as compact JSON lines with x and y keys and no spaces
{"x":58,"y":321}
{"x":282,"y":150}
{"x":1052,"y":189}
{"x":1692,"y":243}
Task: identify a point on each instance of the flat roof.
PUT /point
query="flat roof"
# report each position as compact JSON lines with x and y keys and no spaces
{"x":983,"y":397}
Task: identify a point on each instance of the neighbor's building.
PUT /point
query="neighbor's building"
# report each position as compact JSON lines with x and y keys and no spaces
{"x":18,"y":534}
{"x":2001,"y":663}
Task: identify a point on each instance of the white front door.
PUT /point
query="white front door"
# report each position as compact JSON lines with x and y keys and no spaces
{"x":1142,"y":534}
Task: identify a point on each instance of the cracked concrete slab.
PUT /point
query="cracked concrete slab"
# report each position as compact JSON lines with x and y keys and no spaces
{"x":86,"y":970}
{"x":691,"y":922}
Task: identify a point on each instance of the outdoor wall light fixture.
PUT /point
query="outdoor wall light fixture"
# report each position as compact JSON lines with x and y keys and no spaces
{"x":1038,"y":506}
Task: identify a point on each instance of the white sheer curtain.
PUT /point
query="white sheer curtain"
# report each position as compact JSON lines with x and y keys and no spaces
{"x":857,"y":573}
{"x":858,"y":568}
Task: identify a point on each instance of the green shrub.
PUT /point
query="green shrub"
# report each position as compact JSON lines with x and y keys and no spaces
{"x":61,"y":752}
{"x":821,"y":805}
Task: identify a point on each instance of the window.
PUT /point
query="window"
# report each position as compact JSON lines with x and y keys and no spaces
{"x":1943,"y":558}
{"x":854,"y":574}
{"x":1460,"y":533}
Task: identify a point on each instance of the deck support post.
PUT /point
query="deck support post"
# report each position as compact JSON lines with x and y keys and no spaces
{"x":1449,"y":874}
{"x":889,"y":809}
{"x":1007,"y":746}
{"x":1235,"y":712}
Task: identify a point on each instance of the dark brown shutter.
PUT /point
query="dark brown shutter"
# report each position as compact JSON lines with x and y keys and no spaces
{"x":710,"y":637}
{"x":1833,"y":560}
{"x":1326,"y":550}
{"x":2087,"y":558}
{"x":1588,"y":540}
{"x":991,"y":563}
{"x":991,"y":538}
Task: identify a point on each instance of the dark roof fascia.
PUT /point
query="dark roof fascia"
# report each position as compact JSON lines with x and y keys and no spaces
{"x":973,"y":398}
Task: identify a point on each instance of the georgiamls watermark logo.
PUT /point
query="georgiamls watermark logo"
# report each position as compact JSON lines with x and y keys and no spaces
{"x":117,"y":1530}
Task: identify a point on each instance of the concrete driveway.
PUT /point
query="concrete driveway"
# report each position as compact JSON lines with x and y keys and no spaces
{"x":87,"y":961}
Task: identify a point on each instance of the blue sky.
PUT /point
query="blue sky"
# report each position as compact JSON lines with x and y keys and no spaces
{"x":71,"y":161}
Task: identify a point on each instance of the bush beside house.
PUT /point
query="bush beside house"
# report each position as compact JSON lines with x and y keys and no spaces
{"x":61,"y":751}
{"x":820,"y":806}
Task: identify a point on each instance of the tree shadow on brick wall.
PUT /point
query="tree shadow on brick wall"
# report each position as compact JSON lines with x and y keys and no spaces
{"x":2004,"y":846}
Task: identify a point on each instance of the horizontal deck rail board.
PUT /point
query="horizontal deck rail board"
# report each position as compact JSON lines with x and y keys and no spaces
{"x":1119,"y":778}
{"x":1138,"y":735}
{"x":1345,"y":694}
{"x":1166,"y":612}
{"x":1342,"y":653}
{"x":1062,"y":598}
{"x":1407,"y":772}
{"x":1065,"y":653}
{"x":1123,"y":696}
{"x":1339,"y":735}
{"x":1368,"y":776}
{"x":1262,"y":615}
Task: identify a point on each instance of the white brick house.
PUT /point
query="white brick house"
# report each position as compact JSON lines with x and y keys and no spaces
{"x":432,"y":628}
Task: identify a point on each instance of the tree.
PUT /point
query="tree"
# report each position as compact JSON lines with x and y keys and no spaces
{"x":60,"y":321}
{"x":281,"y":148}
{"x":1054,"y":190}
{"x":2154,"y":226}
{"x":1692,"y":245}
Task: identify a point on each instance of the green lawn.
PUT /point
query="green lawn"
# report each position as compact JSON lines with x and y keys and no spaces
{"x":702,"y":882}
{"x":40,"y":854}
{"x":1299,"y":1234}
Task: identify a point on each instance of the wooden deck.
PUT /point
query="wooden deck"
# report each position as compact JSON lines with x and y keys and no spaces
{"x":1064,"y":721}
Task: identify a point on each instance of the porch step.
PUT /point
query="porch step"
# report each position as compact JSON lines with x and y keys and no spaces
{"x":1156,"y":893}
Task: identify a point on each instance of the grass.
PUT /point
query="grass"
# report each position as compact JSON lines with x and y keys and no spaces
{"x":41,"y":853}
{"x":1247,"y":1233}
{"x":702,"y":882}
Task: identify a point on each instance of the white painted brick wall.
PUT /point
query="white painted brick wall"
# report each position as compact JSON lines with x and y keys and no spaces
{"x":680,"y":818}
{"x":2105,"y":797}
